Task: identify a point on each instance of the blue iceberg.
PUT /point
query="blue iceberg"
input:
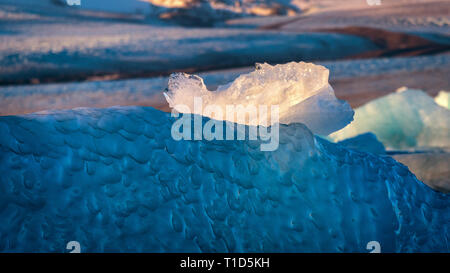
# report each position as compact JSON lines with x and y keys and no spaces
{"x":115,"y":181}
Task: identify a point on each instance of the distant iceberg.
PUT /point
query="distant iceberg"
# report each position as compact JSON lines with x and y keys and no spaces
{"x":115,"y":181}
{"x":407,"y":119}
{"x":300,"y":90}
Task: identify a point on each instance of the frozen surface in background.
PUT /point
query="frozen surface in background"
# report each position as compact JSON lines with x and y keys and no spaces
{"x":114,"y":180}
{"x":63,"y":43}
{"x":403,"y":120}
{"x":92,"y":48}
{"x":443,"y":99}
{"x":148,"y":92}
{"x":23,"y":99}
{"x":300,"y":90}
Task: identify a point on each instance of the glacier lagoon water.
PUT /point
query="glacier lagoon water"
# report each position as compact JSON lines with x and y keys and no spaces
{"x":115,"y":181}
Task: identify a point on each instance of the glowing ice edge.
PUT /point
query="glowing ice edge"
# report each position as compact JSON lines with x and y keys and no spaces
{"x":301,"y":91}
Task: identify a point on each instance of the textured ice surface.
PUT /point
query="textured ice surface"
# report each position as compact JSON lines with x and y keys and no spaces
{"x":301,"y":90}
{"x":114,"y":180}
{"x":402,"y":120}
{"x":366,"y":142}
{"x":443,"y":99}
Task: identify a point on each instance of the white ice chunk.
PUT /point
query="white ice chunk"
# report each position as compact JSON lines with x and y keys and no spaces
{"x":443,"y":99}
{"x":301,"y":90}
{"x":402,"y":120}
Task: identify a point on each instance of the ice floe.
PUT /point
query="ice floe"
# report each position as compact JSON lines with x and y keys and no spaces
{"x":300,"y":90}
{"x":407,"y":119}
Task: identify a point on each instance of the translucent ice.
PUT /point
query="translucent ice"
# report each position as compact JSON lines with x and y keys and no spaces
{"x":443,"y":99}
{"x":402,"y":120}
{"x":114,"y":180}
{"x":301,"y":90}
